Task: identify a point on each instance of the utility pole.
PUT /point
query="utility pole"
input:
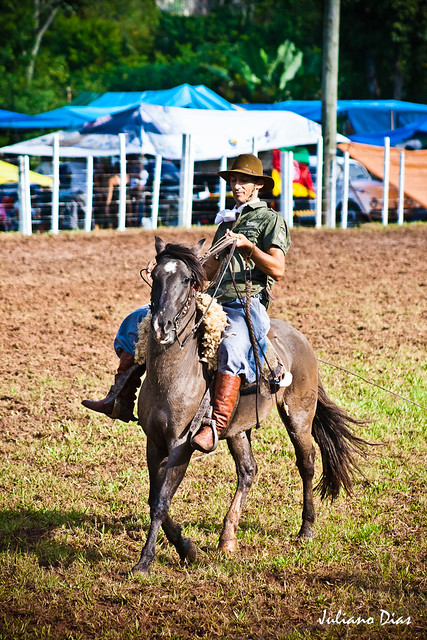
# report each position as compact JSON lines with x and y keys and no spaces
{"x":331,"y":25}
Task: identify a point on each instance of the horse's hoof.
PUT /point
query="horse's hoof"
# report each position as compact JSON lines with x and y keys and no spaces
{"x":189,"y":551}
{"x":305,"y":533}
{"x":140,"y":569}
{"x":227,"y":546}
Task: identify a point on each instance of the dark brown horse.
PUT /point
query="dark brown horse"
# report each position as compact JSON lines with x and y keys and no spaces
{"x":176,"y":383}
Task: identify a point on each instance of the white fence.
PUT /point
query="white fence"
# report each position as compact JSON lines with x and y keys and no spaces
{"x":76,"y":209}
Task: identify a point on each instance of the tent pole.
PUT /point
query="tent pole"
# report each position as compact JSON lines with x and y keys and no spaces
{"x":319,"y":182}
{"x":400,"y":216}
{"x":386,"y":180}
{"x":254,"y":147}
{"x":156,"y":192}
{"x":122,"y":189}
{"x":222,"y":185}
{"x":89,"y":193}
{"x":344,"y":208}
{"x":55,"y":185}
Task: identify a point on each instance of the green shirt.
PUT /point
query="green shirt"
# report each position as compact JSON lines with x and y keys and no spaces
{"x":265,"y":228}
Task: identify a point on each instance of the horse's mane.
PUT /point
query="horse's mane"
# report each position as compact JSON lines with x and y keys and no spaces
{"x":179,"y":252}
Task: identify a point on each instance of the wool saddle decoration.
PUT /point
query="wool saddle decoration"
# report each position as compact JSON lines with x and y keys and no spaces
{"x":213,"y":325}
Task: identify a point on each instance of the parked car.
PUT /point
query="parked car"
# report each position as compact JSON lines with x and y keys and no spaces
{"x":365,"y":198}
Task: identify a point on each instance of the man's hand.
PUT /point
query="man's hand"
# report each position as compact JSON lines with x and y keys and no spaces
{"x":241,"y":241}
{"x":271,"y":262}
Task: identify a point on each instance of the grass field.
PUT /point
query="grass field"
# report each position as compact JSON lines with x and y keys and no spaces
{"x":74,"y":514}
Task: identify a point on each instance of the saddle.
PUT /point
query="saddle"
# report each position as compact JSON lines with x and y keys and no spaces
{"x":272,"y":378}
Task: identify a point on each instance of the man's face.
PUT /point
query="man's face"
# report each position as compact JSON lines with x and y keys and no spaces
{"x":244,"y":188}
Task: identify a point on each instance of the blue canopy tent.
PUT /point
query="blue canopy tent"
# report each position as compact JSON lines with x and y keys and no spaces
{"x":184,"y":95}
{"x":74,"y":116}
{"x":365,"y":116}
{"x":413,"y":131}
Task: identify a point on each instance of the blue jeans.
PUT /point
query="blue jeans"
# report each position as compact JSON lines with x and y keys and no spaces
{"x":127,"y":335}
{"x":235,"y":353}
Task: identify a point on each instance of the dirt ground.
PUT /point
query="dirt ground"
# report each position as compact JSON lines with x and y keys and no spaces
{"x":71,"y":522}
{"x":64,"y":296}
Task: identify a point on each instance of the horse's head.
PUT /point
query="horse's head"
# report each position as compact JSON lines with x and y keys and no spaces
{"x":176,"y":276}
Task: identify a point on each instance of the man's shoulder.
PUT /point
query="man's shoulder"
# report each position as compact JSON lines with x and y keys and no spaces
{"x":261,"y":208}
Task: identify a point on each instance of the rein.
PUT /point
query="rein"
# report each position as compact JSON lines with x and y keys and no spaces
{"x":217,"y":248}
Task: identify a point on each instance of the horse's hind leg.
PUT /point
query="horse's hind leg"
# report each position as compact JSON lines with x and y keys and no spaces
{"x":241,"y":450}
{"x":166,"y":474}
{"x":299,"y":429}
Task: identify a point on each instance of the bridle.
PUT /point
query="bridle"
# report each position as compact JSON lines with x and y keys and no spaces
{"x":217,"y":248}
{"x":181,"y":314}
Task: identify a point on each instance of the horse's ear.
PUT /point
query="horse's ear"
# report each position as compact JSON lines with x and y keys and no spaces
{"x":160,"y":245}
{"x":197,"y":249}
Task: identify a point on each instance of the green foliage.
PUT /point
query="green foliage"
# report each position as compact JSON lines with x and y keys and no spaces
{"x":262,"y":51}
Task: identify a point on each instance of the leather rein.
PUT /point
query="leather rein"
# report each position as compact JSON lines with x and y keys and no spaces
{"x":217,"y":248}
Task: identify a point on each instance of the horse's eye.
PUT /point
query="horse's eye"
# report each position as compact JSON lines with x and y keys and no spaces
{"x":186,"y":280}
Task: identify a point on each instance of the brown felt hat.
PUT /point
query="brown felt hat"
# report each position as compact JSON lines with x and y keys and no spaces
{"x":249,"y":165}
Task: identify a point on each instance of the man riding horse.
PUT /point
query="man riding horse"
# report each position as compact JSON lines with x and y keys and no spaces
{"x":262,"y":240}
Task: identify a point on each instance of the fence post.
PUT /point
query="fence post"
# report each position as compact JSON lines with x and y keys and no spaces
{"x":384,"y":216}
{"x":400,"y":216}
{"x":156,"y":192}
{"x":346,"y":175}
{"x":24,"y":201}
{"x":55,"y":184}
{"x":333,"y":194}
{"x":290,"y":191}
{"x":222,"y":185}
{"x":122,"y":189}
{"x":27,"y":196}
{"x":21,"y":192}
{"x":186,"y":183}
{"x":89,"y":193}
{"x":283,"y":183}
{"x":319,"y":181}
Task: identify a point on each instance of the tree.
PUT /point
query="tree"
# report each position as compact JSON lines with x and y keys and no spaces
{"x":384,"y":48}
{"x":43,"y":16}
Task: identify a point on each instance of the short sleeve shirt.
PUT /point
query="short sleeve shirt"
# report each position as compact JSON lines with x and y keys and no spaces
{"x":265,"y":228}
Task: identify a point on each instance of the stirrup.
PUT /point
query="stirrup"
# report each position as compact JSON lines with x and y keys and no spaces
{"x":207,"y":421}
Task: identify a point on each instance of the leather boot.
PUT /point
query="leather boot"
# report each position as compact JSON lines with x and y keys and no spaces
{"x":225,"y":397}
{"x":120,"y":400}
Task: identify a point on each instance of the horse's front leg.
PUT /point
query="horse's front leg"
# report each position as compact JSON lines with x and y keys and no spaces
{"x":166,"y":473}
{"x":241,"y":450}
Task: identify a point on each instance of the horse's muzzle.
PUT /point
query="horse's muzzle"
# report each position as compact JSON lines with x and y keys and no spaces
{"x":163,"y":330}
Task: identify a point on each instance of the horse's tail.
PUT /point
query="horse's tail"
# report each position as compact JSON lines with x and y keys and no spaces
{"x":338,"y":446}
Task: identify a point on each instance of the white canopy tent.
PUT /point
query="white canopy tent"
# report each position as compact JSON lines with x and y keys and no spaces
{"x":175,"y":133}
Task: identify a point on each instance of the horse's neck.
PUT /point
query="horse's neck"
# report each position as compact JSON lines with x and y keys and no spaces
{"x":173,"y":366}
